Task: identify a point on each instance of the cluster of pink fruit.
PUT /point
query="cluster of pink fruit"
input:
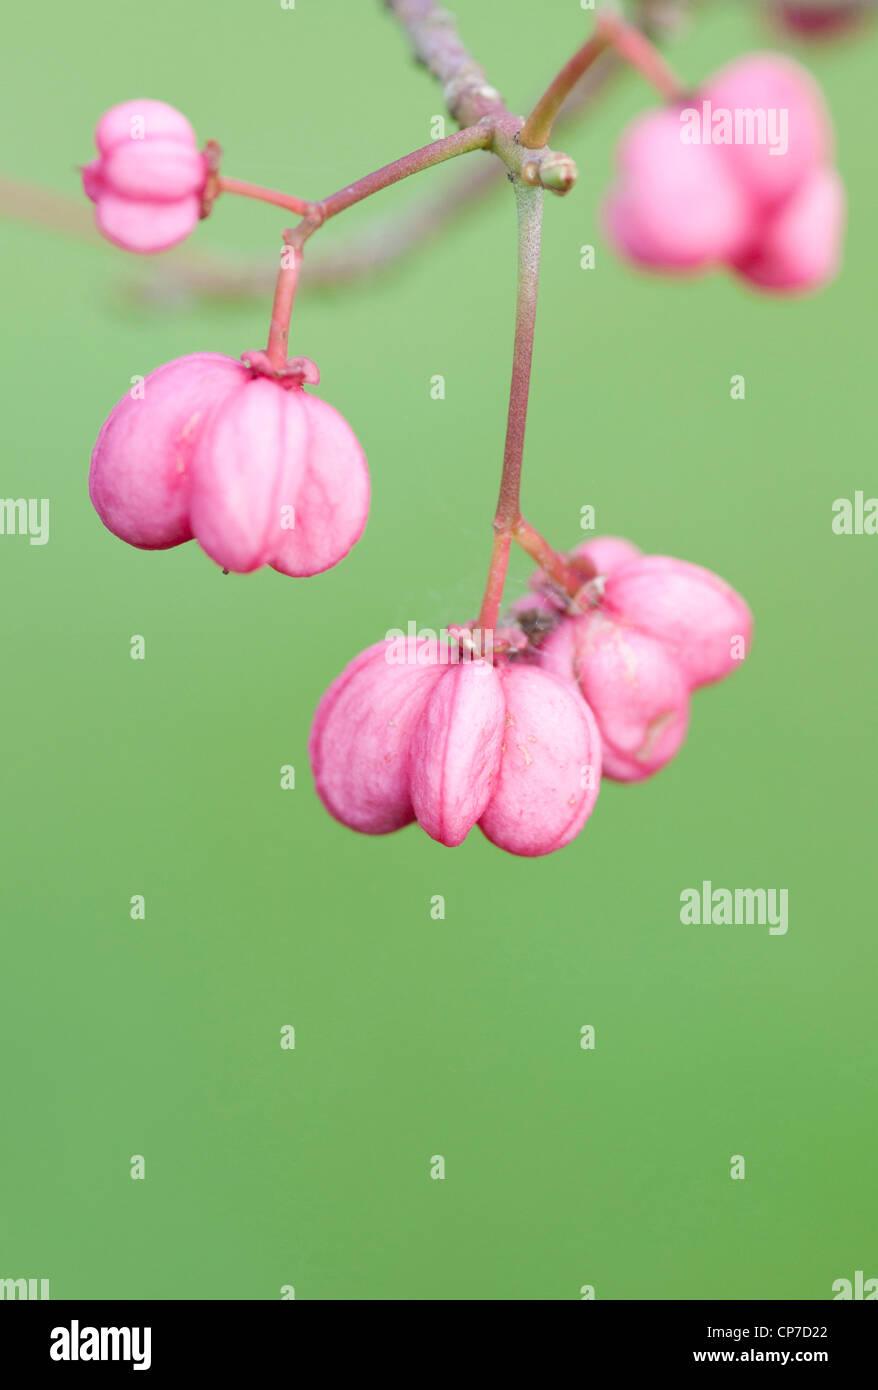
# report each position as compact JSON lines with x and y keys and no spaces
{"x":597,"y":684}
{"x":236,"y":455}
{"x":739,"y":174}
{"x":591,"y":680}
{"x":249,"y":464}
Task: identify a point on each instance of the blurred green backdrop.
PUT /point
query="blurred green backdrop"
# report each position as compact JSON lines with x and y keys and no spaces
{"x":161,"y":777}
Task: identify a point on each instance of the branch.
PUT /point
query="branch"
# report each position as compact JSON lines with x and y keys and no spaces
{"x":186,"y":272}
{"x":436,"y":43}
{"x":384,"y":242}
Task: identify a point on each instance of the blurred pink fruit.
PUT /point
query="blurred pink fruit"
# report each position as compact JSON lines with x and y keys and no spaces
{"x":148,"y":180}
{"x":738,"y":174}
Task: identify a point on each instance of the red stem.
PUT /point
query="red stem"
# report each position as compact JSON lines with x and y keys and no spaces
{"x":282,"y":308}
{"x":633,"y":45}
{"x":566,"y":577}
{"x":265,"y":195}
{"x":611,"y":31}
{"x":530,"y":217}
{"x":477,"y":137}
{"x":474,"y":137}
{"x":496,"y":581}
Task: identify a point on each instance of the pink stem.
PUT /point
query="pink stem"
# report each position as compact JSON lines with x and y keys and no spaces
{"x":566,"y":576}
{"x":496,"y":581}
{"x":530,"y":217}
{"x":636,"y":49}
{"x":475,"y":137}
{"x":611,"y":31}
{"x":461,"y":142}
{"x":282,"y":308}
{"x":265,"y":195}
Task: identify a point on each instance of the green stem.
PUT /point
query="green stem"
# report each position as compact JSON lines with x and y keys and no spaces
{"x":538,"y":126}
{"x":529,"y":203}
{"x":475,"y":137}
{"x":630,"y":43}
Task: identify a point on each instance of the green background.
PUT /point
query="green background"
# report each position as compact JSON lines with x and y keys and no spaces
{"x":417,"y":1037}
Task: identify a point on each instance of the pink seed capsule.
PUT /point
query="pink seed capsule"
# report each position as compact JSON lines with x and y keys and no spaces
{"x":456,"y":751}
{"x":149,"y":178}
{"x":247,"y":466}
{"x":255,"y":469}
{"x":737,"y":174}
{"x":332,"y":502}
{"x":801,"y":247}
{"x":769,"y":155}
{"x":511,"y":748}
{"x":699,"y":618}
{"x":140,"y":479}
{"x":362,"y":732}
{"x":550,"y":769}
{"x":675,"y":206}
{"x":633,"y":686}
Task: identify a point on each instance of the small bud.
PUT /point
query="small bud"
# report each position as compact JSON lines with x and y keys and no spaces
{"x":558,"y":173}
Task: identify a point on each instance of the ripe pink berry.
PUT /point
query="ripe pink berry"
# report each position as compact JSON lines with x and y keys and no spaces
{"x":656,"y":629}
{"x":699,"y":618}
{"x":633,"y":685}
{"x":148,"y":180}
{"x":455,"y":752}
{"x":278,"y":478}
{"x":511,"y":748}
{"x":255,"y":469}
{"x":361,"y":734}
{"x":550,"y":769}
{"x":141,"y":464}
